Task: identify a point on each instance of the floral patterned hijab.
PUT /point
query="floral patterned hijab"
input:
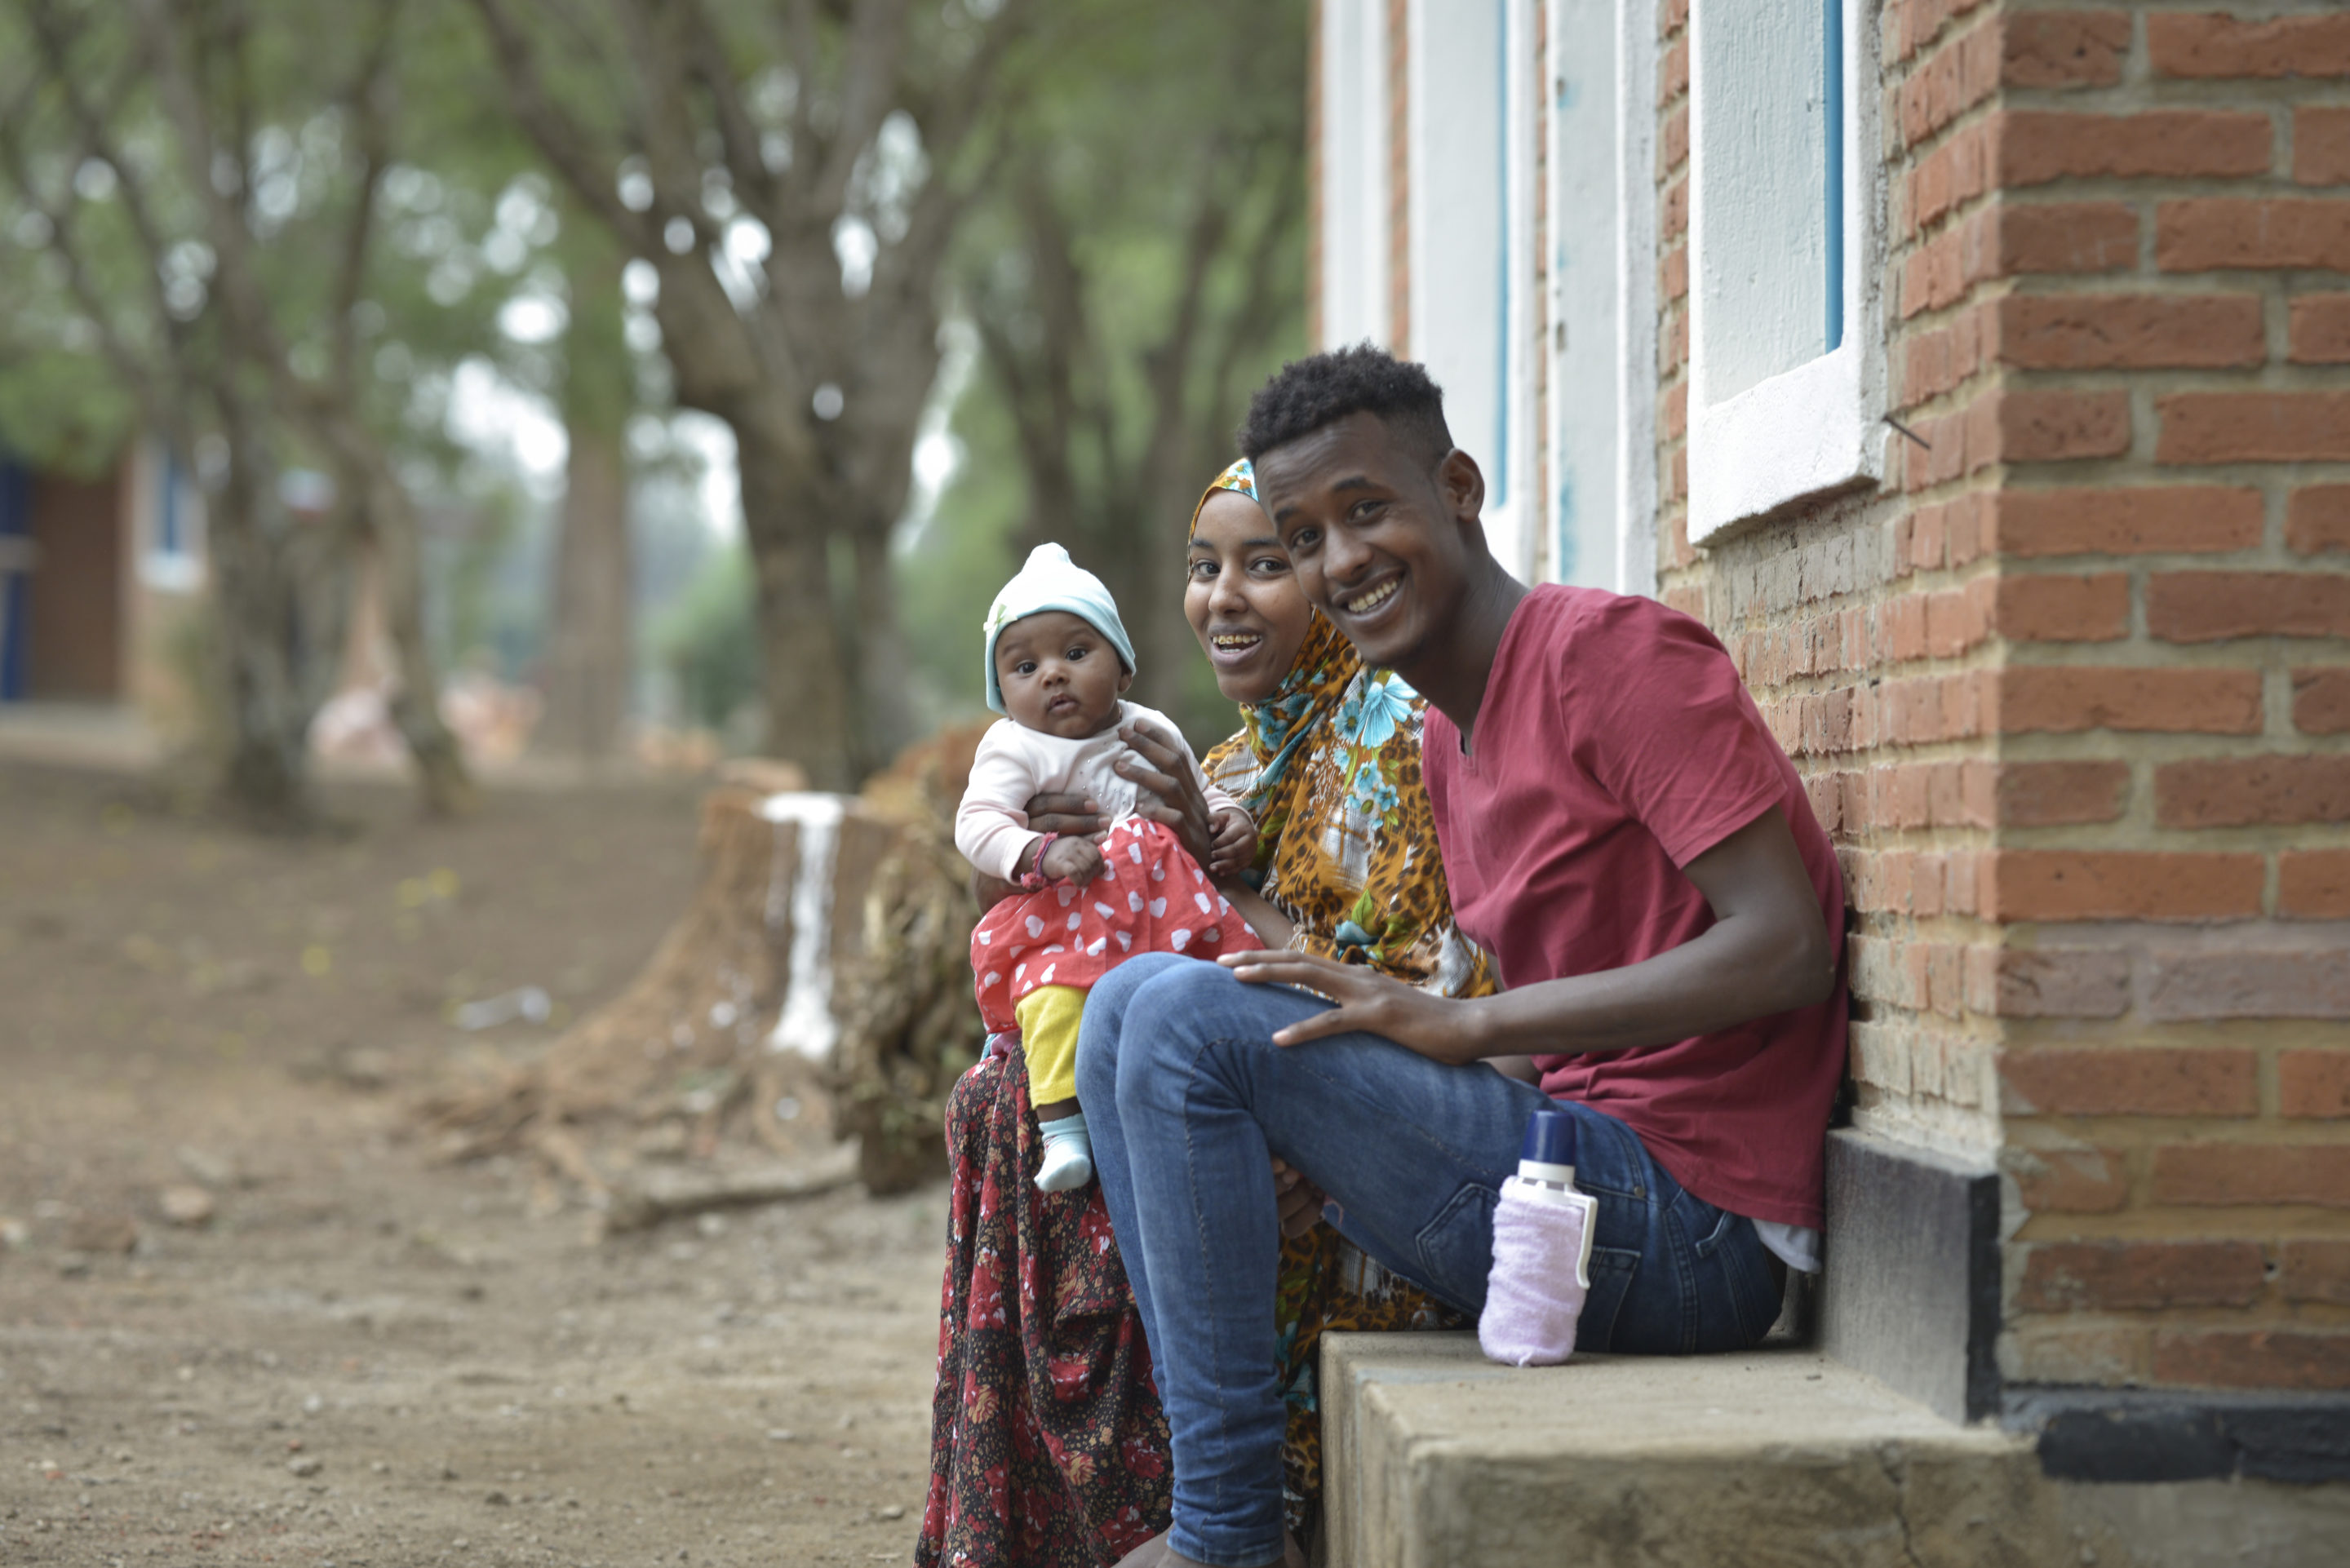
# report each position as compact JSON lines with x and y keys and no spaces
{"x":1329,"y":766}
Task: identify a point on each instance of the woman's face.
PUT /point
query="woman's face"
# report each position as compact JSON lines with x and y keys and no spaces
{"x":1241,"y":599}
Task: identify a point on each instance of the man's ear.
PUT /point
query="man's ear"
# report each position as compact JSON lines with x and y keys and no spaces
{"x":1463,"y":484}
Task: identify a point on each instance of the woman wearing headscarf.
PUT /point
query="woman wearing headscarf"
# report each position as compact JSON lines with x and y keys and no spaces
{"x":1049,"y":1446}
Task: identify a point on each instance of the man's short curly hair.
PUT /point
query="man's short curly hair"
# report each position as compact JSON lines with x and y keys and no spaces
{"x":1323,"y":388}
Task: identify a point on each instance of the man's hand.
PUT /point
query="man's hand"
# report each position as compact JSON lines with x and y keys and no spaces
{"x":1232,"y":846}
{"x":1077,"y":860}
{"x":1165,"y":769}
{"x":1438,"y":1028}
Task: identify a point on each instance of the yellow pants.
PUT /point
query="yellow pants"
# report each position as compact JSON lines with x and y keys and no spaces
{"x":1048,"y":1037}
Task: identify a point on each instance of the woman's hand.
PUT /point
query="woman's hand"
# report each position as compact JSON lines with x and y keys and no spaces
{"x":1164,"y":768}
{"x":1070,"y":815}
{"x":1300,"y":1201}
{"x":1438,"y":1028}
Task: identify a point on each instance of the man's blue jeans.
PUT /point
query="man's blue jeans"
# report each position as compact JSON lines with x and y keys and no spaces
{"x":1186,"y":1098}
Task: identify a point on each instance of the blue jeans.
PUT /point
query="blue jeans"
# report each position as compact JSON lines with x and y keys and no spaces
{"x":1186,"y":1096}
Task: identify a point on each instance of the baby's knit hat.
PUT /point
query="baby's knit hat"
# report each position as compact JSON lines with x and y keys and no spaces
{"x":1051,"y":581}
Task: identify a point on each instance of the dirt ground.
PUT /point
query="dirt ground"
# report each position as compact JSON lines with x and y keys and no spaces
{"x":365,"y":1356}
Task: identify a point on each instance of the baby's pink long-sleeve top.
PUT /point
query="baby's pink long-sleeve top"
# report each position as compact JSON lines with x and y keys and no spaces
{"x":1015,"y":764}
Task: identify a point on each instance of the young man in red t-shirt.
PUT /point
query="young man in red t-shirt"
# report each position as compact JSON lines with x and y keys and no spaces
{"x":1621,"y":831}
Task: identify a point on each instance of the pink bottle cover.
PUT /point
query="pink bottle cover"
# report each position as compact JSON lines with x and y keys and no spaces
{"x":1535,"y":1294}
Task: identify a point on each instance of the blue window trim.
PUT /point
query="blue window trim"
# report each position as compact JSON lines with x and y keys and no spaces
{"x":15,"y":522}
{"x":168,"y":541}
{"x":1832,"y":109}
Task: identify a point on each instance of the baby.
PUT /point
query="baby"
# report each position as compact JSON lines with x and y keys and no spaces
{"x":1058,"y":661}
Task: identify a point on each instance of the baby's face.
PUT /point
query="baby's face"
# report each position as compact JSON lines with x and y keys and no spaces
{"x":1060,"y":677}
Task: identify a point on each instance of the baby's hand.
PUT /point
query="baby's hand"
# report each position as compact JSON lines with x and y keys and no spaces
{"x":1077,"y":859}
{"x":1232,"y":845}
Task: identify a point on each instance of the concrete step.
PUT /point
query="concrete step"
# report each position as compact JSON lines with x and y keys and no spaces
{"x":1435,"y":1458}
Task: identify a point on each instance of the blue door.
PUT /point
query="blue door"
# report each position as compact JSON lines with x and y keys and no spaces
{"x":15,"y":567}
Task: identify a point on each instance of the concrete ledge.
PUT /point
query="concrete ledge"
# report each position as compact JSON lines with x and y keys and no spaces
{"x":1435,"y":1456}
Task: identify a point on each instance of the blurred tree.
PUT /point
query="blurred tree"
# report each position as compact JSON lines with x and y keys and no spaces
{"x":794,"y":174}
{"x":590,"y":650}
{"x":1140,"y":266}
{"x":207,"y":186}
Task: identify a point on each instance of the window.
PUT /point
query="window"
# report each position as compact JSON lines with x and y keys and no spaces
{"x":173,"y":558}
{"x":1599,"y":256}
{"x":1782,"y":298}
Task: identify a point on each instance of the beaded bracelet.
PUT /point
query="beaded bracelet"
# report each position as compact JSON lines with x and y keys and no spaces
{"x":1035,"y":878}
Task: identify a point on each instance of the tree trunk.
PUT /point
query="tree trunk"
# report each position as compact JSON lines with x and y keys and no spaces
{"x":806,"y":686}
{"x":589,"y":652}
{"x":393,"y":527}
{"x":281,"y":606}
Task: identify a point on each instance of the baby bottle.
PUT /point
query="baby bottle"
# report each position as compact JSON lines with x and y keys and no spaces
{"x":1542,"y":1250}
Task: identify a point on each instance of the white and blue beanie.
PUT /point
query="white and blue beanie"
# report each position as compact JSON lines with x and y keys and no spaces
{"x":1051,"y":581}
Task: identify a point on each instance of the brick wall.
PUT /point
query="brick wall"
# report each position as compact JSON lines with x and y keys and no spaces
{"x":2072,"y":690}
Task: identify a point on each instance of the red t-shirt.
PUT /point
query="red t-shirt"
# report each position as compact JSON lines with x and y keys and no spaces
{"x":1614,"y":745}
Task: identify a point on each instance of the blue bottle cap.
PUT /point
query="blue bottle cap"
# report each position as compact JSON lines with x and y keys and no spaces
{"x":1550,"y":1139}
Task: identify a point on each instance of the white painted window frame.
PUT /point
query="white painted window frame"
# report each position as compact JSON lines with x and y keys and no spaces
{"x":1815,"y":429}
{"x":1354,"y":147}
{"x":1629,"y":280}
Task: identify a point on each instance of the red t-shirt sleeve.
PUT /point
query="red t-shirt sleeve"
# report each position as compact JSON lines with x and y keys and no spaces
{"x":1662,"y":722}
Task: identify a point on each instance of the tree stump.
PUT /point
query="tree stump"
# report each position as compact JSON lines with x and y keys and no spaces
{"x":818,"y":987}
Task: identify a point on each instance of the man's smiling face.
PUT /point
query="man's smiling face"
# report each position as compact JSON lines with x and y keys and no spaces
{"x":1375,"y":530}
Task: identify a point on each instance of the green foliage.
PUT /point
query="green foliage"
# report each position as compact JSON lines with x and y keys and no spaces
{"x":708,"y":641}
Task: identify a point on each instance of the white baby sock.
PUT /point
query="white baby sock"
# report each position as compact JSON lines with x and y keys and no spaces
{"x":1068,"y":1155}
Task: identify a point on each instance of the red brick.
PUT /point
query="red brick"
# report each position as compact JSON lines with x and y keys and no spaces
{"x":2213,"y":1174}
{"x":1936,"y":361}
{"x":2070,"y":1180}
{"x":2057,"y":426}
{"x":1672,"y":16}
{"x":2255,"y":1358}
{"x":2253,"y":427}
{"x":2245,"y":792}
{"x":1673,"y":73}
{"x":2062,"y":608}
{"x":2314,"y":884}
{"x":2321,"y":146}
{"x":2320,"y":702}
{"x":2127,"y":1276}
{"x":1672,"y":274}
{"x":2120,"y":885}
{"x":2319,"y":332}
{"x":1914,"y":24}
{"x":2049,"y":982}
{"x":2125,"y":331}
{"x":2066,"y":698}
{"x":2132,"y":1080}
{"x":2036,"y":146}
{"x":2212,"y":231}
{"x":2064,"y":238}
{"x":1672,"y":211}
{"x":2208,"y":984}
{"x":1946,"y":83}
{"x":2315,"y":1272}
{"x":2181,"y":520}
{"x":2211,"y":606}
{"x":2065,"y":49}
{"x":1672,"y":141}
{"x":1956,"y":172}
{"x":2317,"y":519}
{"x":2058,"y":794}
{"x":2183,"y":44}
{"x":2314,"y":1084}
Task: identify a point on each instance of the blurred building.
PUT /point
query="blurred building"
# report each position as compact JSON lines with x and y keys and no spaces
{"x":98,"y":578}
{"x":1974,"y":370}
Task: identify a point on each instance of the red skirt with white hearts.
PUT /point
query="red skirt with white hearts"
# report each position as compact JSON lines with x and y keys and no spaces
{"x":1152,"y":897}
